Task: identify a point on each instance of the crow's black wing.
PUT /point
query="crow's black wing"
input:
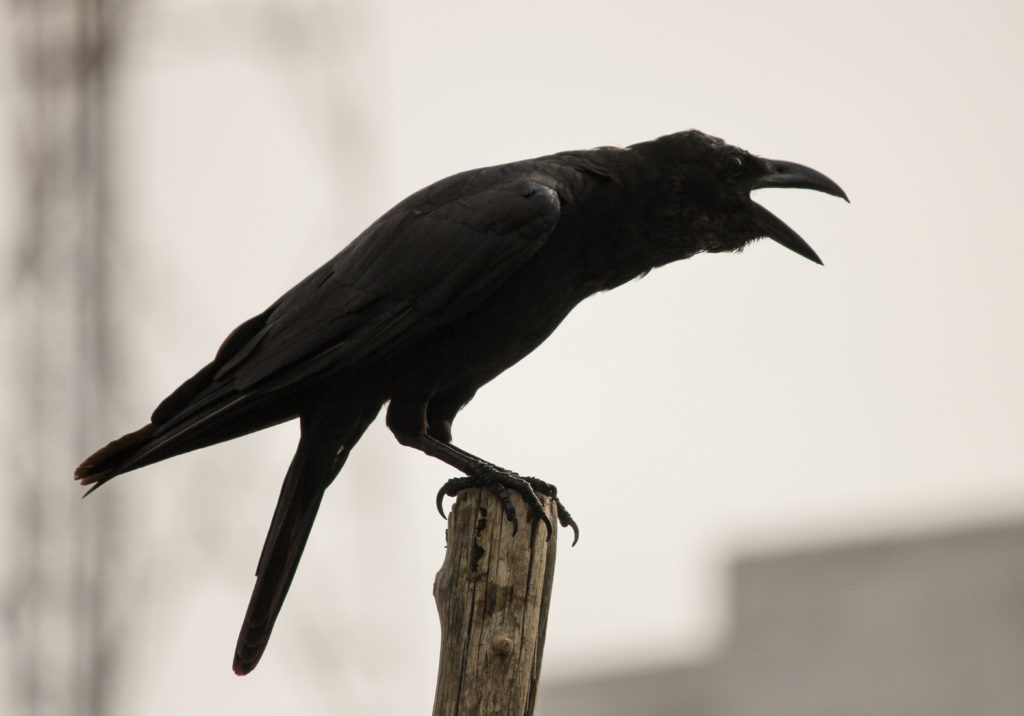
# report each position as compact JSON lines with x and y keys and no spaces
{"x":413,"y":270}
{"x":428,"y":261}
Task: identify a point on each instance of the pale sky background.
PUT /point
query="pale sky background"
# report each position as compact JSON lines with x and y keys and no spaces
{"x":726,"y":403}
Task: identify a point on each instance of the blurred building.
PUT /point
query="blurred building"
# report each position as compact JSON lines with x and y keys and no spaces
{"x":929,"y":626}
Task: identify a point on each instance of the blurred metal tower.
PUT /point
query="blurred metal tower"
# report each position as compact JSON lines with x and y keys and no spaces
{"x":64,"y":601}
{"x":60,"y":643}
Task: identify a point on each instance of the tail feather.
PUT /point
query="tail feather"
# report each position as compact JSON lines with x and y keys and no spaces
{"x":314,"y":466}
{"x":323,"y":449}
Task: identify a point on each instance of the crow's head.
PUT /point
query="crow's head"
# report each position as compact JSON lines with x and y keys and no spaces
{"x":714,"y":181}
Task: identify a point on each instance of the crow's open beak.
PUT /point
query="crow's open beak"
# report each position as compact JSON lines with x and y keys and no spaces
{"x":793,"y":176}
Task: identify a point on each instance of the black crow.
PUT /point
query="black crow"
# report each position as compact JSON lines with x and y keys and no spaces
{"x":437,"y":297}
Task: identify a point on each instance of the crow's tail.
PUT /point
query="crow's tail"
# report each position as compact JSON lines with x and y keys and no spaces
{"x":316,"y":463}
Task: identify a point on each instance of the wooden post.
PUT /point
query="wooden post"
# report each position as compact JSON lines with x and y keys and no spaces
{"x":492,"y":595}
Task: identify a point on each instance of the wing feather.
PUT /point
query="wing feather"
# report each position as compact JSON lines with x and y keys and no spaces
{"x":414,"y":269}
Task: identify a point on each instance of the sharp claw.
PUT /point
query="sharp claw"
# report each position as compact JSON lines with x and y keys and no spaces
{"x":527,"y":487}
{"x":510,"y":512}
{"x":499,"y":491}
{"x":566,"y":520}
{"x":547,"y":522}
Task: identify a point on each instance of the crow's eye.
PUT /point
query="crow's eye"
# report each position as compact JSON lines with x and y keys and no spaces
{"x":734,"y":165}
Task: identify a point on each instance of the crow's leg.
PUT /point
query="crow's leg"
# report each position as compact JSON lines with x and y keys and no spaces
{"x":457,"y":484}
{"x":407,"y":420}
{"x":480,"y":473}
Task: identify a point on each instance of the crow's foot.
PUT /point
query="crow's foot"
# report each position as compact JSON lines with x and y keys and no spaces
{"x":499,"y":482}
